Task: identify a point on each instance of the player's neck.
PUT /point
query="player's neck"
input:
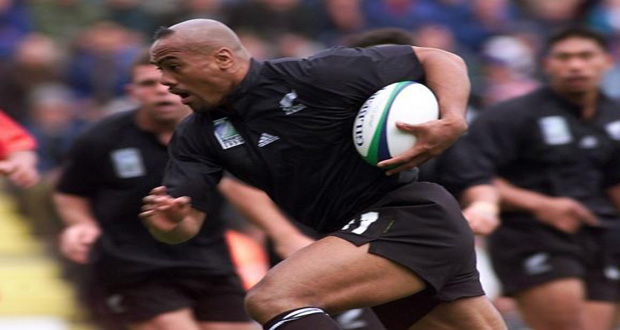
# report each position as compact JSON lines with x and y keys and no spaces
{"x":587,"y":101}
{"x":162,"y":129}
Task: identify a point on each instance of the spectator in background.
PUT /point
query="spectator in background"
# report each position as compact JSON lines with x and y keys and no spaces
{"x":36,"y":61}
{"x":63,"y":20}
{"x":340,"y":18}
{"x":17,"y":157}
{"x":14,"y":25}
{"x":99,"y":68}
{"x":273,"y":18}
{"x":508,"y":68}
{"x":131,"y":15}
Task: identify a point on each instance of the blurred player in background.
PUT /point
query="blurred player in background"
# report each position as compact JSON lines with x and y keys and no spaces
{"x":18,"y":160}
{"x":284,"y":126}
{"x":557,"y":151}
{"x":144,"y":283}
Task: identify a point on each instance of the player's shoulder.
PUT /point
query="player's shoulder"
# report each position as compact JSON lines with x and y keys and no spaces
{"x":109,"y":128}
{"x":514,"y":110}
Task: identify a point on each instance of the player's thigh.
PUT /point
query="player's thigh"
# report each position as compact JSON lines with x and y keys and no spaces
{"x":476,"y":313}
{"x":333,"y":274}
{"x":599,"y":315}
{"x":555,"y":305}
{"x":174,"y":320}
{"x":229,"y":326}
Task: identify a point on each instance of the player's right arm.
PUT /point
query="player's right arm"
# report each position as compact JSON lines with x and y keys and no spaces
{"x":170,"y":220}
{"x":81,"y":229}
{"x":563,"y":213}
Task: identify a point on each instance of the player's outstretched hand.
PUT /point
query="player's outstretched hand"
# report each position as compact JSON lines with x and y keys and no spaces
{"x":21,"y":171}
{"x":482,"y":217}
{"x":162,"y":212}
{"x":432,"y":139}
{"x":77,"y":240}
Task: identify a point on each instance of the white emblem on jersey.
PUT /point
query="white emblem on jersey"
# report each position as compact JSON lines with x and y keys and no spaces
{"x":588,"y":142}
{"x":287,"y":104}
{"x":613,"y":129}
{"x":128,"y":163}
{"x":537,"y":264}
{"x":114,"y":302}
{"x":612,"y":273}
{"x":555,"y":130}
{"x":226,"y":134}
{"x":266,"y":139}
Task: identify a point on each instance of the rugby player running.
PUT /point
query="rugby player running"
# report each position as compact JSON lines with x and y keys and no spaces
{"x":284,"y":126}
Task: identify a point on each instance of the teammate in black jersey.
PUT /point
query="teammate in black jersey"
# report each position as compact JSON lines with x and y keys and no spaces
{"x":285,"y":127}
{"x":145,"y":283}
{"x":557,"y":151}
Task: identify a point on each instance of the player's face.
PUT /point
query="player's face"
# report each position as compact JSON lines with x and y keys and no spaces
{"x":153,"y":97}
{"x":198,"y":78}
{"x":576,"y":65}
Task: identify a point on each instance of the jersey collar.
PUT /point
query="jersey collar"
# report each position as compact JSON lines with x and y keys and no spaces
{"x":246,"y":85}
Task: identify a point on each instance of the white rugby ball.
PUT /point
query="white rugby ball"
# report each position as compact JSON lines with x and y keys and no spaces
{"x":375,"y":134}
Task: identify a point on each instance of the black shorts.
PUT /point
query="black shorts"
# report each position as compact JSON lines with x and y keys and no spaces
{"x":421,"y":227}
{"x":525,"y":254}
{"x":212,"y":298}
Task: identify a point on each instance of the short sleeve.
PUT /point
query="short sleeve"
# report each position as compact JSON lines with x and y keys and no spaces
{"x":79,"y":173}
{"x":494,"y":140}
{"x":13,"y":137}
{"x":456,"y":168}
{"x":612,"y":171}
{"x":191,"y":170}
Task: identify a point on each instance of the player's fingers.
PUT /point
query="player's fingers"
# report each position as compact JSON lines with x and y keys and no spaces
{"x":161,"y":190}
{"x":182,"y":201}
{"x":408,"y":165}
{"x":409,"y":127}
{"x":587,"y":216}
{"x":400,"y":159}
{"x":147,"y":214}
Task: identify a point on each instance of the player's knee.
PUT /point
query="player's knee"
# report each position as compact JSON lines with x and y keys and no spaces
{"x":264,"y":301}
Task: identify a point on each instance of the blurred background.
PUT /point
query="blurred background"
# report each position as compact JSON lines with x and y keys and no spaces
{"x":64,"y":63}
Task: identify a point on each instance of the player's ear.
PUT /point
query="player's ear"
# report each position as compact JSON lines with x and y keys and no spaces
{"x":224,"y":58}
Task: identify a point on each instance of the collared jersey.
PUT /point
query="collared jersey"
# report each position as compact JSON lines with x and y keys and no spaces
{"x":287,"y":129}
{"x":540,"y":142}
{"x":114,"y":164}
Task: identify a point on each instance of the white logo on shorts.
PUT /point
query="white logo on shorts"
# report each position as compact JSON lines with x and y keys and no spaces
{"x":365,"y":221}
{"x":537,"y":264}
{"x":115,"y":303}
{"x":128,"y":163}
{"x":351,"y":319}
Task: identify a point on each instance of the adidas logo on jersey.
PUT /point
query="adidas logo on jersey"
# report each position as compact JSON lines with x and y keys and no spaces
{"x":266,"y":139}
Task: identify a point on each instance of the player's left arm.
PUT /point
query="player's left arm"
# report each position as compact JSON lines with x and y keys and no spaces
{"x":170,"y":220}
{"x":446,"y":75}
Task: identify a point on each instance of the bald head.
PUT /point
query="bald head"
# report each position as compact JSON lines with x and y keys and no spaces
{"x":203,"y":35}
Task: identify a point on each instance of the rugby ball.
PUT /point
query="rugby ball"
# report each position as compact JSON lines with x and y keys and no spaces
{"x":375,"y":134}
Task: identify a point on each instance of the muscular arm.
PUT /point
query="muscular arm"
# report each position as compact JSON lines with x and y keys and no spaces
{"x":565,"y":214}
{"x":481,"y":208}
{"x":446,"y":76}
{"x":257,"y":207}
{"x":171,"y":220}
{"x":81,"y":229}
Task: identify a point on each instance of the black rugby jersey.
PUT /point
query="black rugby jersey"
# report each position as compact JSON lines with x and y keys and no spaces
{"x":287,"y":129}
{"x":540,"y":142}
{"x":115,"y":164}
